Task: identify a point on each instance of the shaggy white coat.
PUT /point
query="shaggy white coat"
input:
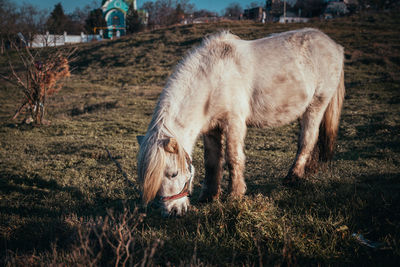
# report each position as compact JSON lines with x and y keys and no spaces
{"x":227,"y":84}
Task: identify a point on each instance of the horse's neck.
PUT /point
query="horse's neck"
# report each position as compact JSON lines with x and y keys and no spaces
{"x":186,"y":134}
{"x":178,"y":120}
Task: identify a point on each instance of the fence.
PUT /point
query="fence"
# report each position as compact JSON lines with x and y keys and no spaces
{"x":42,"y":40}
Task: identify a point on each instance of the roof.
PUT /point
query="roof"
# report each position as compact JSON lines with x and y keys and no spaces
{"x":122,"y":5}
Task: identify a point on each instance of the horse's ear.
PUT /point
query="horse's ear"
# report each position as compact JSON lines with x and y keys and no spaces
{"x":140,"y":139}
{"x":171,"y":145}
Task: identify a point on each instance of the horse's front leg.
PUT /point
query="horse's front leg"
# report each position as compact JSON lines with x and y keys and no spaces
{"x":213,"y":159}
{"x":235,"y":134}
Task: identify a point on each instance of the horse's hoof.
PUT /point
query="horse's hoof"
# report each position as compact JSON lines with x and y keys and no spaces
{"x":292,"y":180}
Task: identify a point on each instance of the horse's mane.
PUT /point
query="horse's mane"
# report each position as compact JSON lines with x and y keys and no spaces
{"x":152,"y":156}
{"x":200,"y":61}
{"x":152,"y":161}
{"x":202,"y":58}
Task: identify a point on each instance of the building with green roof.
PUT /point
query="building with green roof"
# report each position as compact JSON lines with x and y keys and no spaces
{"x":114,"y":12}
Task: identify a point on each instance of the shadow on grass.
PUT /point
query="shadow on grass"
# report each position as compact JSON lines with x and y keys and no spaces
{"x":103,"y":106}
{"x":35,"y":212}
{"x":316,"y":209}
{"x":367,"y":204}
{"x":379,"y":140}
{"x":31,"y":214}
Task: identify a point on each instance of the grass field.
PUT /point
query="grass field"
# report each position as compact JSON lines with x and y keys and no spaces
{"x":63,"y":201}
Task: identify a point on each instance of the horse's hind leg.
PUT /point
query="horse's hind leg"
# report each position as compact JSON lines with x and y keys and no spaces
{"x":307,"y":152}
{"x":213,"y":158}
{"x":235,"y":133}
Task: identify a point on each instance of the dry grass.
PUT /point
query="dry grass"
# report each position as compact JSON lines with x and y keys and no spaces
{"x":57,"y":182}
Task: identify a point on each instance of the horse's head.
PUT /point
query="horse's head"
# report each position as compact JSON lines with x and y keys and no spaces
{"x":166,"y":172}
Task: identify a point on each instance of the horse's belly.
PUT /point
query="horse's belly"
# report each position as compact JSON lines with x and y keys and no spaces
{"x":272,"y":118}
{"x":273,"y":109}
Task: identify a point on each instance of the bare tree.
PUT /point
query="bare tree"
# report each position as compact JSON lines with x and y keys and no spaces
{"x":30,"y":21}
{"x":204,"y":13}
{"x":25,"y":19}
{"x":256,"y":4}
{"x":167,"y":12}
{"x":80,"y":14}
{"x":8,"y":19}
{"x":159,"y":11}
{"x":186,"y":6}
{"x":41,"y":77}
{"x":79,"y":17}
{"x":233,"y":10}
{"x":277,"y":8}
{"x":310,"y":8}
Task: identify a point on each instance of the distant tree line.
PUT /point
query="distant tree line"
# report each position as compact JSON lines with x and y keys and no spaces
{"x":30,"y":20}
{"x":309,"y":8}
{"x":134,"y":22}
{"x":80,"y":20}
{"x":315,"y":8}
{"x":26,"y":19}
{"x":167,"y":12}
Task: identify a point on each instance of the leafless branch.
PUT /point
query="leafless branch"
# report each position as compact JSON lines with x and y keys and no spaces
{"x":43,"y":76}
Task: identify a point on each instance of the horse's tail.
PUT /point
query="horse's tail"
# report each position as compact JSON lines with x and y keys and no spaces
{"x":330,"y":123}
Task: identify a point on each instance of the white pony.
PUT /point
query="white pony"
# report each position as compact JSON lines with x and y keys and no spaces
{"x":227,"y":84}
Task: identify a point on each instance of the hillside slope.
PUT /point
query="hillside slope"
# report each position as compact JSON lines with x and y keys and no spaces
{"x":57,"y":182}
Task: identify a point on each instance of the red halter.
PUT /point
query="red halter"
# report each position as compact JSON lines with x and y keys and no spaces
{"x":185,"y":190}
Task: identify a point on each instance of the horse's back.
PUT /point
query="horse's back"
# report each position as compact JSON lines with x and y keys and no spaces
{"x":290,"y":69}
{"x":306,"y":50}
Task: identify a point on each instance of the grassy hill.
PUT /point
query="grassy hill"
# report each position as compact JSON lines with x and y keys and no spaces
{"x":64,"y":201}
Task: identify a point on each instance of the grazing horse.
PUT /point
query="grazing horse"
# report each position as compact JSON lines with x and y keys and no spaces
{"x":227,"y":84}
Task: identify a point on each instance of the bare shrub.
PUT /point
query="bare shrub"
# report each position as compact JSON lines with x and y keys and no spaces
{"x":111,"y":241}
{"x":42,"y":76}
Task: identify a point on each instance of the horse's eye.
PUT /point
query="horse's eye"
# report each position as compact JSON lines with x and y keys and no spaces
{"x":174,"y":175}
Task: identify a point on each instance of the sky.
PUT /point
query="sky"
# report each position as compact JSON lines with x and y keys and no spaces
{"x":70,"y":5}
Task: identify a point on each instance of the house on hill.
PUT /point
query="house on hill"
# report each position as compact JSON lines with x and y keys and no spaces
{"x":114,"y":12}
{"x":335,"y":9}
{"x":256,"y":13}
